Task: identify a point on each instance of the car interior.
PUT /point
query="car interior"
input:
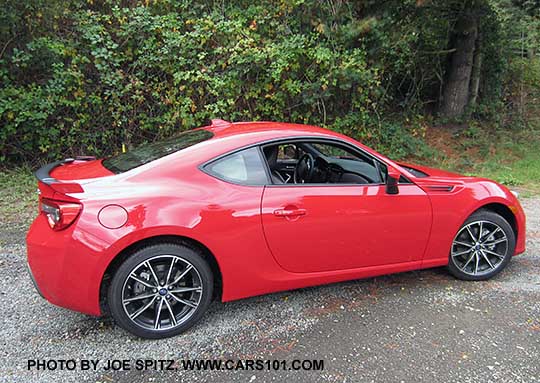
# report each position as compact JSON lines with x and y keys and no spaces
{"x":318,"y":162}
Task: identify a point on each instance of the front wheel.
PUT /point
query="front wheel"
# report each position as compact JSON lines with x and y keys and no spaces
{"x":482,"y":248}
{"x":161,"y":290}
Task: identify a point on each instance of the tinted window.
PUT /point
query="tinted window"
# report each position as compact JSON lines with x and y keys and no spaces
{"x":334,"y":151}
{"x":289,"y":152}
{"x":150,"y":152}
{"x":351,"y":164}
{"x":244,"y":167}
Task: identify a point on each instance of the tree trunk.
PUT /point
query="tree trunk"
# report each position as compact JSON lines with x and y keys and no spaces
{"x":476,"y":71}
{"x":456,"y":89}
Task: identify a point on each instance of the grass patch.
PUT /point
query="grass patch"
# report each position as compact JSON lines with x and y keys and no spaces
{"x":18,"y":197}
{"x":522,"y":169}
{"x":509,"y":157}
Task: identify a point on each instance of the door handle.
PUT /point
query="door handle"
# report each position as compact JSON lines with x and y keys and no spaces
{"x":289,"y":212}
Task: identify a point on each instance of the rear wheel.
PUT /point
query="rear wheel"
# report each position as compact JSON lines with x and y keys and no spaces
{"x":161,"y":290}
{"x":482,"y":248}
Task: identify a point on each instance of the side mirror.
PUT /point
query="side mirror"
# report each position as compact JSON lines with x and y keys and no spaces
{"x":392,"y":180}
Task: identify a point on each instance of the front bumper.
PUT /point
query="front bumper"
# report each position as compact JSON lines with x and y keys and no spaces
{"x":521,"y":219}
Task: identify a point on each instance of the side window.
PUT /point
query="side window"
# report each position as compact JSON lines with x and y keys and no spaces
{"x":345,"y":165}
{"x":334,"y":151}
{"x":289,"y":152}
{"x":244,"y":167}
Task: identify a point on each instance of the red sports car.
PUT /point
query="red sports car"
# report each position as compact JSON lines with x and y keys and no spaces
{"x":234,"y":210}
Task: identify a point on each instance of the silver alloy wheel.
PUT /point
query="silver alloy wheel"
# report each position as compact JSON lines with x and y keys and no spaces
{"x":162,"y":292}
{"x":479,"y":248}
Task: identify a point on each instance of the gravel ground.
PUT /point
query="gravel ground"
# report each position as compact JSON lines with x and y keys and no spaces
{"x":409,"y":327}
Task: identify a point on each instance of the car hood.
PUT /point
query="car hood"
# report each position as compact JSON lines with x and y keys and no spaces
{"x":433,"y":180}
{"x":421,"y":171}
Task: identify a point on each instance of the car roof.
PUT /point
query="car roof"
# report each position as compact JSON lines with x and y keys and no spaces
{"x":229,"y":136}
{"x":250,"y":132}
{"x":232,"y":136}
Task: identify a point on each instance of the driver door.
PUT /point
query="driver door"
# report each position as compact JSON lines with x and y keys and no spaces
{"x":326,"y":227}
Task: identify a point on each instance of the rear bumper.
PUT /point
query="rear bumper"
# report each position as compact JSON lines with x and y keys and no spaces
{"x":33,"y":280}
{"x":64,"y":269}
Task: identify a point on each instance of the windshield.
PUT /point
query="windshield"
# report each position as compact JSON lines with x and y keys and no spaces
{"x":150,"y":152}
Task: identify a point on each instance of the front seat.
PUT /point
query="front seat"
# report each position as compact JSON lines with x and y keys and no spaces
{"x":271,"y":154}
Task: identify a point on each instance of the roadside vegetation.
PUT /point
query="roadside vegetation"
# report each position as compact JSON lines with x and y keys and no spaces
{"x":511,"y":160}
{"x":18,"y":198}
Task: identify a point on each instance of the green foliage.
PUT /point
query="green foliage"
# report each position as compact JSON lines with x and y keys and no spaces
{"x":84,"y":78}
{"x":516,"y":162}
{"x":129,"y":74}
{"x":18,"y":197}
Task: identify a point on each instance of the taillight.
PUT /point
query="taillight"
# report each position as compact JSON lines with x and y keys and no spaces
{"x":59,"y":214}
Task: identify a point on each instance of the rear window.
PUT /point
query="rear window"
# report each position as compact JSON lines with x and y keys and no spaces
{"x":150,"y":152}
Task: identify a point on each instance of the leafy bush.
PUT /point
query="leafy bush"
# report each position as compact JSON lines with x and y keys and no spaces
{"x":85,"y":78}
{"x":128,"y":74}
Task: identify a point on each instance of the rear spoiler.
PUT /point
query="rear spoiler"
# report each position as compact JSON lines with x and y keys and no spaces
{"x":43,"y":174}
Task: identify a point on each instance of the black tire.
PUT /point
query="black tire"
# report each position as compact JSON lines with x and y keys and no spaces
{"x":161,"y":257}
{"x":487,"y":221}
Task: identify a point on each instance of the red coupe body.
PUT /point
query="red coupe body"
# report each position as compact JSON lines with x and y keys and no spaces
{"x":263,"y":238}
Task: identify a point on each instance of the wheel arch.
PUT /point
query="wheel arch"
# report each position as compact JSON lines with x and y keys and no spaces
{"x":158,"y":239}
{"x":504,"y":211}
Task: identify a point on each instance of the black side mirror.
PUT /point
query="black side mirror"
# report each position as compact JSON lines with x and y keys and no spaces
{"x":392,"y":180}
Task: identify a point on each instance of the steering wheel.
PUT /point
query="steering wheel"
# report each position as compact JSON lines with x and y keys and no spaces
{"x":304,"y":169}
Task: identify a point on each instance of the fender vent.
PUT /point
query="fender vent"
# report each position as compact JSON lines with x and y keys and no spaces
{"x":440,"y":188}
